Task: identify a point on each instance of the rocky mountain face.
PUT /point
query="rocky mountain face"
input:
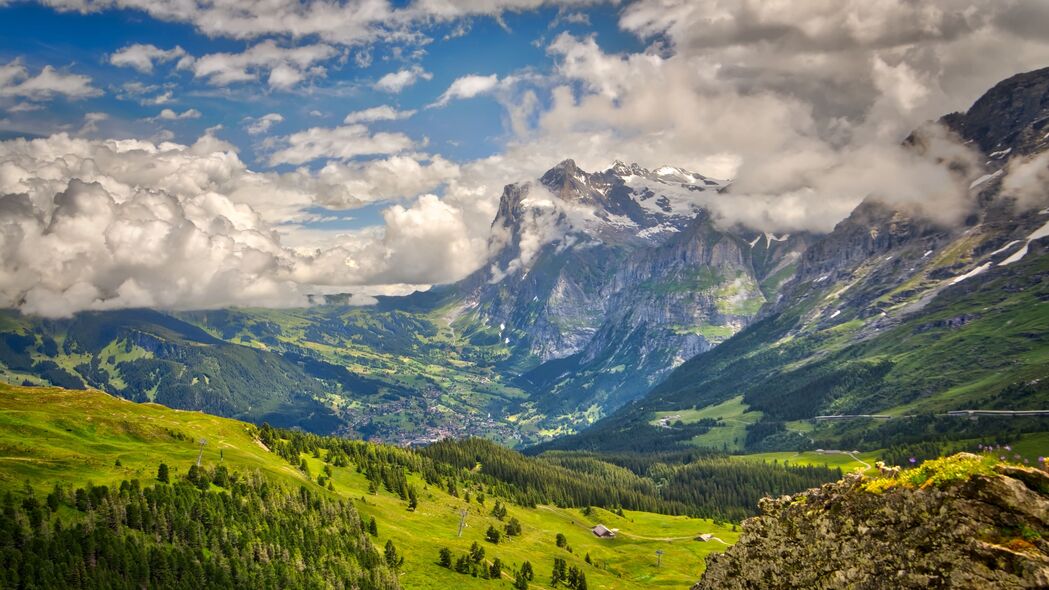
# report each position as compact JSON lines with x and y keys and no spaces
{"x":891,"y":311}
{"x":985,"y":529}
{"x":610,"y":279}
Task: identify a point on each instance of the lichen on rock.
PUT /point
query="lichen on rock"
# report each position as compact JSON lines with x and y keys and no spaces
{"x":960,"y":522}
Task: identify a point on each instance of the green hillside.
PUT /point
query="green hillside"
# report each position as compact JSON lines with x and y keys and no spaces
{"x":979,"y":344}
{"x":51,"y":436}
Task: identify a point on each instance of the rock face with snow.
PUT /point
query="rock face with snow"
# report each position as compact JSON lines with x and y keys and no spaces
{"x":835,"y":338}
{"x":609,"y":279}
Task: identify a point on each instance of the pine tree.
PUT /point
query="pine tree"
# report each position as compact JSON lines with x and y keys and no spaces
{"x":492,"y":536}
{"x":558,"y":574}
{"x":373,"y":527}
{"x":390,"y":552}
{"x":444,"y":557}
{"x":162,"y":473}
{"x":513,"y":528}
{"x":413,"y":499}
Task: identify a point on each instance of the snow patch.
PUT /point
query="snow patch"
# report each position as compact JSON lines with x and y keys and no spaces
{"x":1004,"y":248}
{"x":835,"y":314}
{"x":926,"y":254}
{"x":1001,"y":153}
{"x":972,"y":273}
{"x":1016,"y":257}
{"x":662,"y":228}
{"x":1035,"y":235}
{"x":984,"y":179}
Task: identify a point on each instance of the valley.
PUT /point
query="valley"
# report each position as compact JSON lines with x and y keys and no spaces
{"x":392,"y":311}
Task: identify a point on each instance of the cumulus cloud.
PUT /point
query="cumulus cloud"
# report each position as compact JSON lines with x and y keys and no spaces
{"x":170,"y":115}
{"x":804,"y":106}
{"x":396,"y":177}
{"x":16,"y":81}
{"x":341,"y":143}
{"x":257,"y":126}
{"x":379,"y":113}
{"x":467,"y":87}
{"x":395,"y":82}
{"x":284,"y":67}
{"x":142,"y":57}
{"x":1027,"y":181}
{"x":126,"y":223}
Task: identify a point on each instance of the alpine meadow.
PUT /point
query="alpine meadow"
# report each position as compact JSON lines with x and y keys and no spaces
{"x":524,"y":294}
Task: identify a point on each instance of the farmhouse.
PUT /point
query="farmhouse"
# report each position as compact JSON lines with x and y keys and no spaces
{"x":604,"y":532}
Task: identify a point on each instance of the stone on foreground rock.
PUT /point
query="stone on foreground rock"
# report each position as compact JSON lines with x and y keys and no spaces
{"x":982,"y":530}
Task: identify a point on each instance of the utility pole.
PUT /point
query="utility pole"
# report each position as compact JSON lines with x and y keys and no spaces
{"x":659,"y":557}
{"x":201,"y":454}
{"x":462,"y":521}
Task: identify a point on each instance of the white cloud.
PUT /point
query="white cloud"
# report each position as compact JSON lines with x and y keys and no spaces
{"x":379,"y":113}
{"x":396,"y":177}
{"x":125,"y":223}
{"x":142,"y":57}
{"x":341,"y":143}
{"x":16,"y":81}
{"x":286,"y":66}
{"x":170,"y":115}
{"x":91,"y":121}
{"x":467,"y":87}
{"x":395,"y":82}
{"x":351,"y":22}
{"x":263,"y":123}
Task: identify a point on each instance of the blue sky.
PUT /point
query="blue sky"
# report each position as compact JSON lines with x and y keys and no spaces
{"x":83,"y":43}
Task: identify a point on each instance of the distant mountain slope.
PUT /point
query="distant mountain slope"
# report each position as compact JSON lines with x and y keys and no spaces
{"x":150,"y":356}
{"x":888,"y":314}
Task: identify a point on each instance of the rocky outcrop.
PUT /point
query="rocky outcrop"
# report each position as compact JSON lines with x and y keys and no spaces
{"x":984,"y":530}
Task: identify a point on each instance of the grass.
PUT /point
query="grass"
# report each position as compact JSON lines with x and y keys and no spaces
{"x":733,"y":417}
{"x":50,"y":435}
{"x":843,"y":461}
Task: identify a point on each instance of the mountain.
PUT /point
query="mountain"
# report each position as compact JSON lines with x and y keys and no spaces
{"x":602,"y":282}
{"x":959,"y":522}
{"x":606,"y":287}
{"x":889,"y":314}
{"x":598,"y":285}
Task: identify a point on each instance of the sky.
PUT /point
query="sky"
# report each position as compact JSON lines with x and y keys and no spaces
{"x":187,"y":154}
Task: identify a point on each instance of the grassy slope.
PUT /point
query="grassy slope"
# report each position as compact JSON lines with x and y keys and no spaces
{"x":979,"y":344}
{"x":49,"y":435}
{"x":733,"y":417}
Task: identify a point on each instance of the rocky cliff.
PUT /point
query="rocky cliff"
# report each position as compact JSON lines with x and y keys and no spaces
{"x":604,"y":281}
{"x":957,"y":522}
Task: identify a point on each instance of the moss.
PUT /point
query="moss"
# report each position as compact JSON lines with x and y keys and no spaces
{"x":937,"y":473}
